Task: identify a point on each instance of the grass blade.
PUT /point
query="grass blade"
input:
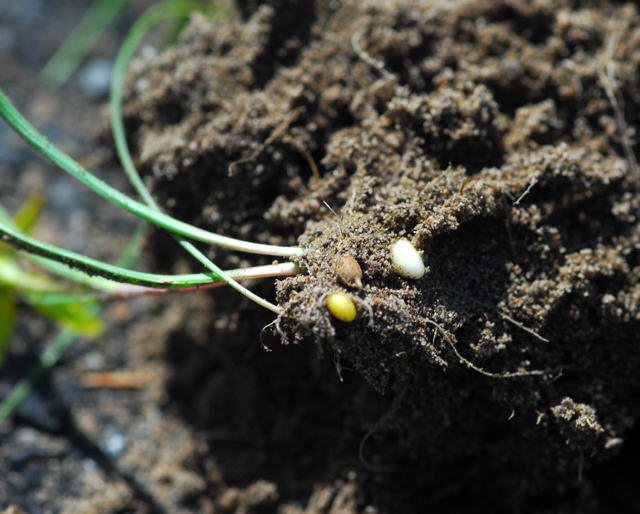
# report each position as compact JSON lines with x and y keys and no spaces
{"x":127,"y":276}
{"x":96,"y":267}
{"x":152,"y":16}
{"x":29,"y":133}
{"x":135,"y":36}
{"x":81,"y":40}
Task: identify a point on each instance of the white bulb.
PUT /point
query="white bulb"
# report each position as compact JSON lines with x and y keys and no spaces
{"x":406,"y":260}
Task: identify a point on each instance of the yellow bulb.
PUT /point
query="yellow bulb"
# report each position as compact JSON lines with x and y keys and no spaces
{"x":341,"y":307}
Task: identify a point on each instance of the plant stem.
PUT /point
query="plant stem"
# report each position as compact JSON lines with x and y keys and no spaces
{"x":69,"y":55}
{"x":119,"y":274}
{"x":30,"y":134}
{"x":151,"y":17}
{"x":280,"y":269}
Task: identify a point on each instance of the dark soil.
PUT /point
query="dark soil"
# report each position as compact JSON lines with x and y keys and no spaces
{"x":489,"y":133}
{"x":484,"y":133}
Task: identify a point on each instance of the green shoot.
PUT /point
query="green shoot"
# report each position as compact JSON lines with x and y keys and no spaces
{"x":150,"y":18}
{"x":30,"y":287}
{"x":81,"y":40}
{"x":123,"y":275}
{"x":31,"y":135}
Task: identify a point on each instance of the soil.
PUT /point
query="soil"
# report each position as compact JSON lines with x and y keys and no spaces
{"x":498,"y":137}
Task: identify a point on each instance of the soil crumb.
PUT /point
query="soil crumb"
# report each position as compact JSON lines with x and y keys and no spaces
{"x":496,"y":136}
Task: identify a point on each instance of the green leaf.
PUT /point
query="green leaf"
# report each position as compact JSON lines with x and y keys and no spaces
{"x":7,"y":316}
{"x":77,"y":317}
{"x":12,"y":275}
{"x":28,"y":215}
{"x":32,"y":136}
{"x":81,"y":40}
{"x":93,"y":266}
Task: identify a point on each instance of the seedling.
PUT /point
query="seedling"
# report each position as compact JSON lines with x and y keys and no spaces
{"x":149,"y":212}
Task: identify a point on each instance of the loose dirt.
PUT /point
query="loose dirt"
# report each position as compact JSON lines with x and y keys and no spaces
{"x":497,"y":136}
{"x":491,"y":134}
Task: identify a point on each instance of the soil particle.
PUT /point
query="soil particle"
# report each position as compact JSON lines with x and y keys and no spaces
{"x":484,"y":133}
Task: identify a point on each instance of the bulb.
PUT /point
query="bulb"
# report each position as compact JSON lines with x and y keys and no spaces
{"x":341,"y":307}
{"x":406,"y":260}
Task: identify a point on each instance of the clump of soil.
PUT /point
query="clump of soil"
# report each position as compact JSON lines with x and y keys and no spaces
{"x":489,"y":133}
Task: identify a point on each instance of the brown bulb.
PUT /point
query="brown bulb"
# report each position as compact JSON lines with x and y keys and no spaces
{"x":348,"y":271}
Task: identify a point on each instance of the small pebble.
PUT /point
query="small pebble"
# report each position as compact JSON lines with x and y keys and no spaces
{"x":95,"y":77}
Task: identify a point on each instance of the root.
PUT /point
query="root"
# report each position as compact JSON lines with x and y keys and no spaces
{"x":514,"y":374}
{"x":277,"y":133}
{"x":378,"y":424}
{"x":515,"y":323}
{"x":530,"y":185}
{"x":607,"y":75}
{"x":275,"y":324}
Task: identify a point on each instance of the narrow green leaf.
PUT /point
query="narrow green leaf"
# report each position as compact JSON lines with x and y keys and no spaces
{"x":81,"y":40}
{"x":29,"y":213}
{"x":170,"y":9}
{"x":32,"y":136}
{"x":79,"y":318}
{"x":7,"y":316}
{"x":12,"y":275}
{"x":153,"y":15}
{"x":95,"y":267}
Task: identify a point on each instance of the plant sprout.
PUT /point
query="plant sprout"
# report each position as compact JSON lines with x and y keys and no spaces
{"x":148,"y":211}
{"x":103,"y":280}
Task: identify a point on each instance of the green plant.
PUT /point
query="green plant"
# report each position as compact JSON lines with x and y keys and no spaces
{"x":36,"y":289}
{"x":149,"y":212}
{"x":79,"y":283}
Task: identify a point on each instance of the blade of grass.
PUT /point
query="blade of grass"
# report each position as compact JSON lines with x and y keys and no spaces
{"x":81,"y":40}
{"x":127,"y":276}
{"x":54,"y":351}
{"x":59,"y":269}
{"x":123,"y":291}
{"x":29,"y":133}
{"x":7,"y":316}
{"x":135,"y":36}
{"x":95,"y":267}
{"x":152,"y":16}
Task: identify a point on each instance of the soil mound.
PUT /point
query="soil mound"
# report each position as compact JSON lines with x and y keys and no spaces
{"x":492,"y":134}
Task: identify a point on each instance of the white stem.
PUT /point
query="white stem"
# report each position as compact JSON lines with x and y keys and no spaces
{"x":280,"y":269}
{"x":250,"y":247}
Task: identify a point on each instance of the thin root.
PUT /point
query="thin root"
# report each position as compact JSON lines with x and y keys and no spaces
{"x":277,"y":133}
{"x":515,"y":374}
{"x":606,"y":74}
